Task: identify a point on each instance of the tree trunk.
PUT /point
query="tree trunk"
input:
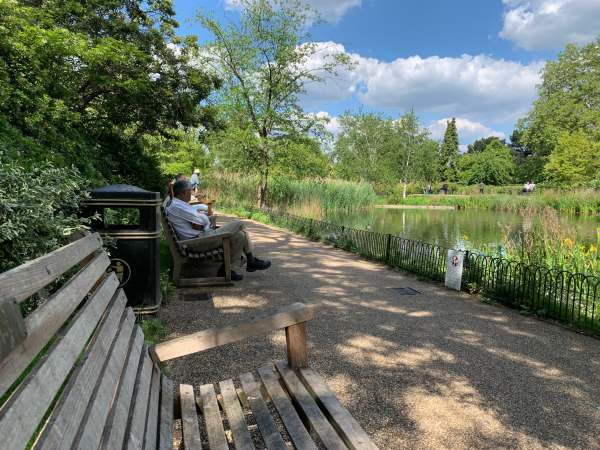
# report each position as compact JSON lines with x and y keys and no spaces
{"x":261,"y":196}
{"x":404,"y":189}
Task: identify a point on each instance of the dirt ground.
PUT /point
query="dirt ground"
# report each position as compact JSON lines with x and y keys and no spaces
{"x":433,"y":370}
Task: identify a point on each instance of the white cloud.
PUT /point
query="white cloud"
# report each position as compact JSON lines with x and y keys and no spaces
{"x":332,"y":125}
{"x":550,"y":24}
{"x":330,"y":10}
{"x":468,"y":130}
{"x":476,"y":87}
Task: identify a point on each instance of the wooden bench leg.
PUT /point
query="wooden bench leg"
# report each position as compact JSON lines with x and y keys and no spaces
{"x":297,"y":345}
{"x":227,"y":259}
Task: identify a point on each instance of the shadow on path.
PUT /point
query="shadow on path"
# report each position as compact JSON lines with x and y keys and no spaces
{"x":433,"y":370}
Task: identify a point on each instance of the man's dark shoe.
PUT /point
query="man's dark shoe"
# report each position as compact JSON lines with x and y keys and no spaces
{"x":257,"y":264}
{"x":234,"y":275}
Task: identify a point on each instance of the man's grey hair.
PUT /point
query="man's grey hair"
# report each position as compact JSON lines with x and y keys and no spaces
{"x":179,"y":187}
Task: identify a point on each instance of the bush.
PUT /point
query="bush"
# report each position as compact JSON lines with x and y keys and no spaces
{"x":38,"y":209}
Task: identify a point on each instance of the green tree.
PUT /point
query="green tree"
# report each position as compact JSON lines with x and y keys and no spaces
{"x":569,"y":101}
{"x":361,"y":149}
{"x":480,"y":144}
{"x":265,"y":62}
{"x":575,"y":160}
{"x":493,"y":165}
{"x":449,"y":152}
{"x":83,"y":82}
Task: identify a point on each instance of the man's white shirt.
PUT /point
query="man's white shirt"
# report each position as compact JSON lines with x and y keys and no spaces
{"x":182,"y":215}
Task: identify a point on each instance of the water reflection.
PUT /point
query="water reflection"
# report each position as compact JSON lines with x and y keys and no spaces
{"x":466,"y":229}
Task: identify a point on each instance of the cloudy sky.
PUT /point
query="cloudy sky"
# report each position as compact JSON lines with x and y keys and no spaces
{"x":476,"y":60}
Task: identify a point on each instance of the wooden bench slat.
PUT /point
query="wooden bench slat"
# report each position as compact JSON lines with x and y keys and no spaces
{"x":212,"y":418}
{"x":292,"y":421}
{"x":235,"y":416}
{"x":67,"y":416}
{"x":141,"y":395}
{"x":317,"y":419}
{"x":114,"y":432}
{"x":45,"y":321}
{"x":22,"y":282}
{"x":189,"y":419}
{"x":266,"y":425}
{"x":27,"y":406}
{"x":91,"y":433}
{"x":151,"y":438}
{"x":203,"y":340}
{"x":165,"y":438}
{"x":350,"y":430}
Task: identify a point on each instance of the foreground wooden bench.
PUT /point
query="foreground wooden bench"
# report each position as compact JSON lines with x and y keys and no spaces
{"x":186,"y":259}
{"x":76,"y":374}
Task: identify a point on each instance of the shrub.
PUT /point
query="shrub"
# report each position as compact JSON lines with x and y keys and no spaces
{"x":38,"y":209}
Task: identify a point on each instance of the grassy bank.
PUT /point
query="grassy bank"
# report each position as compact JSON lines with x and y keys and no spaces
{"x":569,"y":202}
{"x":308,"y":197}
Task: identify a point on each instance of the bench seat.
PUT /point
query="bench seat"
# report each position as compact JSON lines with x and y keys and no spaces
{"x":76,"y":373}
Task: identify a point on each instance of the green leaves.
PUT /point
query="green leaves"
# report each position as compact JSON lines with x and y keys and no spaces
{"x":569,"y":102}
{"x":492,"y":165}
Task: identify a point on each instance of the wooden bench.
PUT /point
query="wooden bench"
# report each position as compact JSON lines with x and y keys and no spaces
{"x":76,"y":374}
{"x":186,"y":260}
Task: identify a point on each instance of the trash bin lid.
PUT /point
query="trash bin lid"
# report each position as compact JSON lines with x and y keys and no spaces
{"x":123,"y":193}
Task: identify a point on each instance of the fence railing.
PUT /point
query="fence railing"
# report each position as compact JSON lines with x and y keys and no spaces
{"x":573,"y":298}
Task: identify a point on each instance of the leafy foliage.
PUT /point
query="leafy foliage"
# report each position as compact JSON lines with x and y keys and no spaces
{"x":569,"y":102}
{"x":81,"y":83}
{"x":575,"y":160}
{"x":264,"y":62}
{"x":382,"y":151}
{"x":37,"y":209}
{"x":492,"y":165}
{"x":449,"y":152}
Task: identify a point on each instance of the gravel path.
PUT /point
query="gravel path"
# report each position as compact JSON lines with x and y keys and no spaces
{"x":434,"y":370}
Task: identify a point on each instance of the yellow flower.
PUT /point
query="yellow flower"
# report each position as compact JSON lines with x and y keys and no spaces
{"x":593,"y":248}
{"x":568,"y":242}
{"x":465,"y":237}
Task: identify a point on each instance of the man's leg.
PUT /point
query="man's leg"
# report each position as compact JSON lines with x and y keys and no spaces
{"x":242,"y":245}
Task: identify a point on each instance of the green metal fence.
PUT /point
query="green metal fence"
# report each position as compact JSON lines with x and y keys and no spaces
{"x":573,"y":298}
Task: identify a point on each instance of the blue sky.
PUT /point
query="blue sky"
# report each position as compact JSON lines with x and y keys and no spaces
{"x":476,"y":60}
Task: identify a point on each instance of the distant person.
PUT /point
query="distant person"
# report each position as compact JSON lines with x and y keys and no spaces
{"x":527,"y":187}
{"x":195,"y":180}
{"x":429,"y":189}
{"x":190,"y":223}
{"x":444,"y":188}
{"x":531,"y":186}
{"x":481,"y":188}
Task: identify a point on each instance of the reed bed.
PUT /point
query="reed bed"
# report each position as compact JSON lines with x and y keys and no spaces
{"x":308,"y":197}
{"x":584,"y":201}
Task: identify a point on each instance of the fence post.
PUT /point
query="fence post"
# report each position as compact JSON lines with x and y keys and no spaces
{"x":388,"y":242}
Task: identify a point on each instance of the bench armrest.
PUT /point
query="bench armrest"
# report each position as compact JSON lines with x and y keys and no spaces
{"x":205,"y":239}
{"x":292,"y":318}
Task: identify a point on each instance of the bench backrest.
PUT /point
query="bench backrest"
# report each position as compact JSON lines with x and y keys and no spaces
{"x":75,"y":372}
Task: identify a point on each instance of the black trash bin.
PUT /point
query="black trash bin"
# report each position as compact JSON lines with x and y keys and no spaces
{"x":129,"y":216}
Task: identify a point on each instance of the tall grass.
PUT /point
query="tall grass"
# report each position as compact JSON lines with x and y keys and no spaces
{"x":583,"y":201}
{"x":546,"y":241}
{"x":311,"y":197}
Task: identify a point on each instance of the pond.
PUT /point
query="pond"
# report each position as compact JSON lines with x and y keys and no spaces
{"x":461,"y":229}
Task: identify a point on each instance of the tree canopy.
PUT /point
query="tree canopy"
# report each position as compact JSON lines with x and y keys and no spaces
{"x":568,"y":102}
{"x":81,"y":83}
{"x":449,"y":152}
{"x":265,"y":61}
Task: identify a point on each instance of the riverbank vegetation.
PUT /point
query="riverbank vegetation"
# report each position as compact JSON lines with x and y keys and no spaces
{"x":307,"y":197}
{"x":573,"y":201}
{"x":544,"y":240}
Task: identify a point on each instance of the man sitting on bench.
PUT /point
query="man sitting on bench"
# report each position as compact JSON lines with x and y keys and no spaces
{"x":189,"y":223}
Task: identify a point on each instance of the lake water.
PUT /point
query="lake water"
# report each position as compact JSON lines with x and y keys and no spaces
{"x":461,"y":229}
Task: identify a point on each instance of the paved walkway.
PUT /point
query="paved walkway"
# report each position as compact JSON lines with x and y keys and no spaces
{"x":434,"y":370}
